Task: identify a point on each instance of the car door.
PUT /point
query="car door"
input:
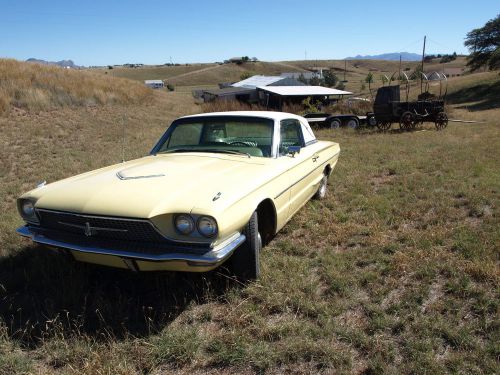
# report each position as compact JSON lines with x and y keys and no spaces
{"x":302,"y":164}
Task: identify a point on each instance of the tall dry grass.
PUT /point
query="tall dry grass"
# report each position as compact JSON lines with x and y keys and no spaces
{"x":36,"y":87}
{"x":343,"y":106}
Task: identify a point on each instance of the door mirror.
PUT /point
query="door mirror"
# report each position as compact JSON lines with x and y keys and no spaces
{"x":292,"y":150}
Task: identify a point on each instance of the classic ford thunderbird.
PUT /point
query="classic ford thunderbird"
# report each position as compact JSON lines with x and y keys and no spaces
{"x":214,"y":189}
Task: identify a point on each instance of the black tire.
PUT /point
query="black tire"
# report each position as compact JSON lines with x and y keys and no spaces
{"x":322,"y":189}
{"x":334,"y":123}
{"x":371,"y":121}
{"x":244,"y":262}
{"x":352,"y":123}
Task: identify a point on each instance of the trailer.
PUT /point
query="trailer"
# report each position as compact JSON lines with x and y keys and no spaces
{"x":335,"y":121}
{"x":389,"y":109}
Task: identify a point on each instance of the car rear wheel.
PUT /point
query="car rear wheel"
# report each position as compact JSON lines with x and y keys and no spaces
{"x":322,"y":189}
{"x":244,"y":263}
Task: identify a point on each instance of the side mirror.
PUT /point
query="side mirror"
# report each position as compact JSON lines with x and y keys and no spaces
{"x":292,"y":150}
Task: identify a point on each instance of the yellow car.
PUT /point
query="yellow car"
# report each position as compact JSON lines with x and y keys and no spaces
{"x":214,"y":188}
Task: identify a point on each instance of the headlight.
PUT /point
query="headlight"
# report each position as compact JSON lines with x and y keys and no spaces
{"x":184,"y":224}
{"x":207,"y":226}
{"x":28,"y":208}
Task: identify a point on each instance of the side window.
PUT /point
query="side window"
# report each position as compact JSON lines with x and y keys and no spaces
{"x":307,"y":134}
{"x":290,"y":135}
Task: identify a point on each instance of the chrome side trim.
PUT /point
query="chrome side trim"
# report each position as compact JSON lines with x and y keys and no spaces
{"x":296,"y":182}
{"x":211,"y":258}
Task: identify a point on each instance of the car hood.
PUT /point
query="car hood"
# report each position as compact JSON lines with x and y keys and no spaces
{"x":154,"y":185}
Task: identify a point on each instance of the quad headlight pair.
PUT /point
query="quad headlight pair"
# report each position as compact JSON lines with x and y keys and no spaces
{"x":27,"y":210}
{"x":206,"y":225}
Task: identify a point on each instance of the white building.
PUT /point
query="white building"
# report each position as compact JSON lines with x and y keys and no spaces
{"x":154,"y":83}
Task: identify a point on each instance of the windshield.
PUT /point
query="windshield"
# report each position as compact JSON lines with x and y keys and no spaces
{"x":251,"y":136}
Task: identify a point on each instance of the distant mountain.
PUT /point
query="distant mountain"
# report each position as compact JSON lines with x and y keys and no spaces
{"x":405,"y":56}
{"x":62,"y":63}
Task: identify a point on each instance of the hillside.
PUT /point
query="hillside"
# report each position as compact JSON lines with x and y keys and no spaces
{"x":200,"y":74}
{"x":36,"y":87}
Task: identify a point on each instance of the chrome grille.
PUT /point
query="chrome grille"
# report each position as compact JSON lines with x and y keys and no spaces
{"x":103,"y":227}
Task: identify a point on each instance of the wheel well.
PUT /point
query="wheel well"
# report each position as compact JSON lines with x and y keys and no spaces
{"x":266,"y":213}
{"x":328,"y":170}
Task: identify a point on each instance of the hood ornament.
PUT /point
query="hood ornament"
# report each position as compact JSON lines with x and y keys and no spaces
{"x":41,"y":184}
{"x":217,"y":196}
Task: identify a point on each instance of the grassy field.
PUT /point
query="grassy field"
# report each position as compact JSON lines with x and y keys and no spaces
{"x":397,"y":271}
{"x":200,"y":74}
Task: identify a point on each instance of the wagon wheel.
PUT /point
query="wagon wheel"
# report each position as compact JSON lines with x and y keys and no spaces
{"x":407,"y":121}
{"x":384,"y":125}
{"x":441,"y":121}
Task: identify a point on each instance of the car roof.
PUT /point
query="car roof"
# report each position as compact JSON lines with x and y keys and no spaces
{"x":263,"y":114}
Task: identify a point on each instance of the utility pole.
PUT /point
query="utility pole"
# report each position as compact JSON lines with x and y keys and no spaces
{"x":399,"y":76}
{"x":423,"y":56}
{"x":345,"y":69}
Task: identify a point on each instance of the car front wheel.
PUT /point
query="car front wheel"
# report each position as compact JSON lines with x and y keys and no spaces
{"x":244,"y":263}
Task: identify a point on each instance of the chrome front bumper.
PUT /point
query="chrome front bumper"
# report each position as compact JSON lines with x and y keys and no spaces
{"x":212,"y":258}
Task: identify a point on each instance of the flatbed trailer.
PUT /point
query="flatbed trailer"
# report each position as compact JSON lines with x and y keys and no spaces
{"x":335,"y":121}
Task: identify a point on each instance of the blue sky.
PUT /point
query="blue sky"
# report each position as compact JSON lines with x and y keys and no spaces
{"x":187,"y":31}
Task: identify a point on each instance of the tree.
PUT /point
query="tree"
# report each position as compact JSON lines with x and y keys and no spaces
{"x":384,"y":79}
{"x":315,"y":81}
{"x":302,"y":79}
{"x":330,"y":78}
{"x":417,"y":73}
{"x":369,"y":80}
{"x":340,"y":86}
{"x":246,"y":75}
{"x":484,"y":45}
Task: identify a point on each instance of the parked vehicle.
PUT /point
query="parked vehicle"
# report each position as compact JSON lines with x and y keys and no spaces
{"x":214,"y":189}
{"x":388,"y":109}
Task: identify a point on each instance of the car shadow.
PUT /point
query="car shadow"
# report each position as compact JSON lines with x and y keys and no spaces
{"x":43,"y":293}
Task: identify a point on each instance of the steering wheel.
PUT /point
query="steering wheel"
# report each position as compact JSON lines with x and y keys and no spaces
{"x":239,"y":143}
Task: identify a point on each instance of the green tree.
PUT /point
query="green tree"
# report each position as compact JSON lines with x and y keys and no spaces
{"x":416,"y":74}
{"x":246,"y":75}
{"x":315,"y":81}
{"x":340,"y":86}
{"x":330,"y":78}
{"x":384,"y":79}
{"x":484,"y":44}
{"x":369,"y":80}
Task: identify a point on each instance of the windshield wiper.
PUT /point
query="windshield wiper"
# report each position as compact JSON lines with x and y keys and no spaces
{"x":214,"y":150}
{"x":222,"y":151}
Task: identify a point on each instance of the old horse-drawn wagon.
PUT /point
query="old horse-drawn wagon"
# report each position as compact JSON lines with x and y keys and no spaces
{"x":388,"y":108}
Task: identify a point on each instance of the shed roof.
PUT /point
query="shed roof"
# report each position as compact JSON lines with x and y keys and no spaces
{"x":303,"y":90}
{"x":257,"y":80}
{"x":229,"y":91}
